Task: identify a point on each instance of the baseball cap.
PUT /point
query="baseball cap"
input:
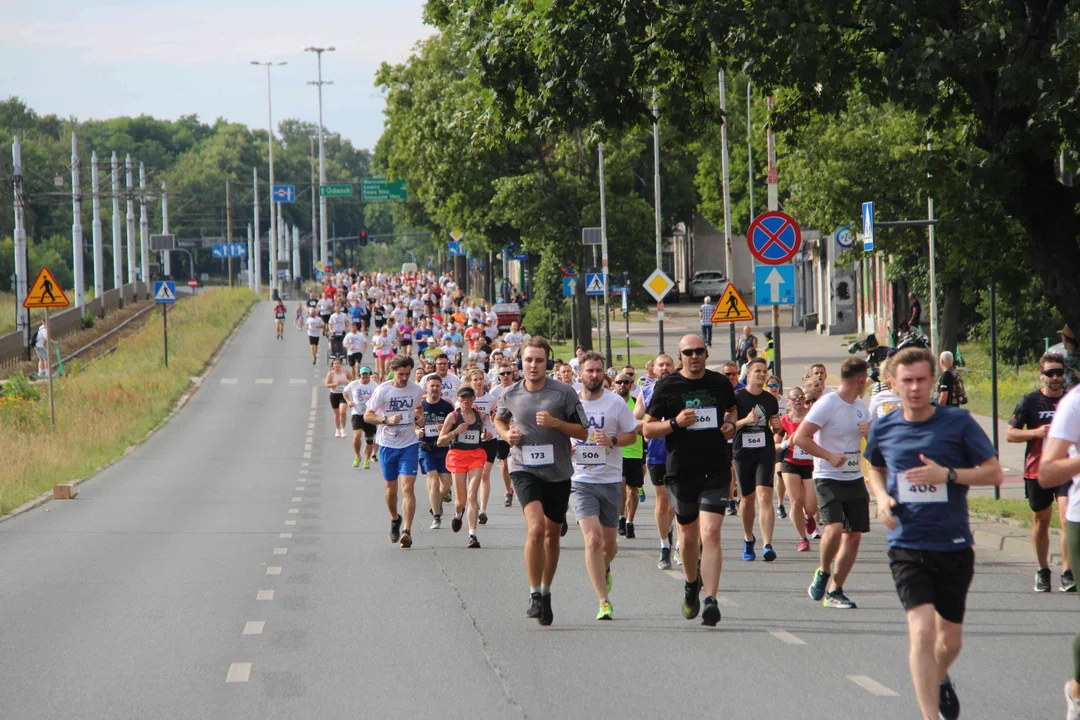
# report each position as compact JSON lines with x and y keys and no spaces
{"x":365,"y":369}
{"x":466,"y":391}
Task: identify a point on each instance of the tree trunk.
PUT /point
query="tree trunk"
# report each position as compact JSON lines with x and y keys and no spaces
{"x":583,"y":312}
{"x":949,"y":323}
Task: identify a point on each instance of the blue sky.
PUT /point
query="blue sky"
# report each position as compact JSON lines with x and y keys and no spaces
{"x":167,"y":58}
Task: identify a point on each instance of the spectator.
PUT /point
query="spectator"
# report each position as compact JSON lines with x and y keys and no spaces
{"x":950,"y":387}
{"x":1072,"y":358}
{"x":705,"y":313}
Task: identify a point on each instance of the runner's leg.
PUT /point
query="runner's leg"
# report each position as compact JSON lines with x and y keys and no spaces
{"x":795,"y":490}
{"x":1062,"y":506}
{"x":552,"y":535}
{"x":595,"y":561}
{"x":712,"y":559}
{"x":536,"y":526}
{"x":392,"y":499}
{"x":408,"y":499}
{"x":434,"y":491}
{"x":845,"y":557}
{"x":926,"y":675}
{"x":766,"y":516}
{"x":473,"y":502}
{"x":1040,"y":536}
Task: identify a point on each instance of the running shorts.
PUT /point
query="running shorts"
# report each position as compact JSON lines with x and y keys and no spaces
{"x":1040,"y":498}
{"x":326,"y":320}
{"x":940,"y":579}
{"x":633,"y":472}
{"x":698,"y":492}
{"x":844,"y":501}
{"x":599,"y":500}
{"x":491,"y":447}
{"x":313,"y":339}
{"x":399,"y":461}
{"x":433,"y":460}
{"x":754,"y":470}
{"x":355,"y":359}
{"x":804,"y":471}
{"x":656,"y":474}
{"x":502,"y":451}
{"x":336,"y":399}
{"x":553,"y":495}
{"x":463,"y":461}
{"x":358,"y":423}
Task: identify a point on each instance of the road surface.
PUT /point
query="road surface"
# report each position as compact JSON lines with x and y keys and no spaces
{"x":236,"y":566}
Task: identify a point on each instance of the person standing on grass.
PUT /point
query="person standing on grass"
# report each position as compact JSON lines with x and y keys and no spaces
{"x":41,"y":349}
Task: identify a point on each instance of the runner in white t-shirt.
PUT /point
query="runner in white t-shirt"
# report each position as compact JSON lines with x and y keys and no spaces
{"x":314,"y":325}
{"x":355,"y":344}
{"x":832,"y":432}
{"x":357,"y":394}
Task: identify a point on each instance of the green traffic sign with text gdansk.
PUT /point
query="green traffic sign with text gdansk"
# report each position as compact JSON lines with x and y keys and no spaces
{"x":335,"y":190}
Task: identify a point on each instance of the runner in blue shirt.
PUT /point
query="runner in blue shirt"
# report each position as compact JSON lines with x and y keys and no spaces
{"x":656,"y":462}
{"x":922,"y":461}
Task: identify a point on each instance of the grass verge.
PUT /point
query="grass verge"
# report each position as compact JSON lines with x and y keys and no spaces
{"x":1011,"y":385}
{"x":1012,"y":509}
{"x":103,"y":410}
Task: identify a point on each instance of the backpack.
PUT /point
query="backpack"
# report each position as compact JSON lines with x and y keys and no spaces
{"x":34,"y":339}
{"x":959,"y":394}
{"x":744,"y":347}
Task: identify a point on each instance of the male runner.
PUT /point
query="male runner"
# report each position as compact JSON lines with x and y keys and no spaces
{"x":315,"y":326}
{"x":432,"y":457}
{"x":339,"y":323}
{"x":505,"y":376}
{"x":355,"y":344}
{"x":755,"y":457}
{"x":633,"y":468}
{"x":656,"y":461}
{"x":1035,"y":412}
{"x":538,"y":418}
{"x":357,"y":394}
{"x":597,"y":489}
{"x":695,"y":410}
{"x":395,"y":408}
{"x":922,"y":461}
{"x":832,"y":433}
{"x":450,"y":383}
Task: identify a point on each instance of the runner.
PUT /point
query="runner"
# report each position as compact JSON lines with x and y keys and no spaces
{"x":355,"y":343}
{"x":314,"y":325}
{"x":633,"y":467}
{"x":336,"y":380}
{"x":325,"y":306}
{"x":538,"y":418}
{"x":755,"y":456}
{"x":463,"y":430}
{"x":776,"y":388}
{"x":656,"y":461}
{"x":432,"y":457}
{"x":450,"y":382}
{"x":832,"y":433}
{"x":394,"y":408}
{"x":1035,"y":412}
{"x":695,"y":410}
{"x":505,"y":375}
{"x":797,"y":468}
{"x":597,"y":487}
{"x":922,"y":461}
{"x":1060,"y":463}
{"x":485,"y":403}
{"x":279,"y":319}
{"x":339,"y":323}
{"x":357,"y":394}
{"x":383,"y":352}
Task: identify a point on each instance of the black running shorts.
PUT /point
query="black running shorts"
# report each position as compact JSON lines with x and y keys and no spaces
{"x":491,"y":447}
{"x":695,"y":493}
{"x":804,"y":471}
{"x":844,"y":501}
{"x":754,"y":470}
{"x":502,"y":450}
{"x":336,"y":399}
{"x":313,"y":339}
{"x":1040,"y":498}
{"x":656,"y":474}
{"x":633,"y":472}
{"x":359,"y":424}
{"x":553,"y":496}
{"x":940,"y":579}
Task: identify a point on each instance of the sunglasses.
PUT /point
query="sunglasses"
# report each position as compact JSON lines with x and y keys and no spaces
{"x":1056,"y":372}
{"x":622,"y":382}
{"x":508,"y":372}
{"x":775,"y":385}
{"x":733,"y":373}
{"x":690,"y":352}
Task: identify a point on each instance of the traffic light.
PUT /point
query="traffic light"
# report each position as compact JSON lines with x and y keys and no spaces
{"x":363,"y":238}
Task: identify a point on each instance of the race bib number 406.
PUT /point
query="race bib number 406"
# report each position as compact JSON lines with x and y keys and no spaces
{"x":704,"y":419}
{"x":912,"y":494}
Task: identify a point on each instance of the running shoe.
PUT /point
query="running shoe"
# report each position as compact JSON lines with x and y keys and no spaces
{"x":816,"y":591}
{"x":536,"y":607}
{"x":1042,"y":580}
{"x":630,"y":530}
{"x":677,"y":556}
{"x":455,"y":524}
{"x":732,"y":507}
{"x":448,"y":498}
{"x":474,"y":544}
{"x":548,"y":616}
{"x":816,"y":535}
{"x":768,"y":554}
{"x":948,"y":703}
{"x":837,"y":599}
{"x":436,"y":522}
{"x":1072,"y":705}
{"x":803,"y":545}
{"x":482,"y":518}
{"x":665,"y":559}
{"x":607,"y":578}
{"x":605,"y":611}
{"x":356,"y":462}
{"x":641,"y":494}
{"x":781,"y":512}
{"x":406,"y":540}
{"x":811,"y":527}
{"x":622,"y":526}
{"x":395,"y":529}
{"x":1067,"y":582}
{"x":710,"y":614}
{"x":508,"y":501}
{"x":367,"y":464}
{"x":691,"y":604}
{"x":565,"y":527}
{"x":748,"y":553}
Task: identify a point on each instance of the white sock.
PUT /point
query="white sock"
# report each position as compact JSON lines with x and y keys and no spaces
{"x":533,"y":589}
{"x":665,"y":545}
{"x":545,"y":589}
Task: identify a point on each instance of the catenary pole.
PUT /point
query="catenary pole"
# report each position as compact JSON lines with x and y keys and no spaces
{"x":166,"y":263}
{"x":99,"y":253}
{"x":76,"y":228}
{"x":22,"y":315}
{"x":323,"y":236}
{"x":656,"y":208}
{"x":272,"y":280}
{"x":256,"y":259}
{"x":729,"y":260}
{"x":774,"y":204}
{"x":130,"y":192}
{"x":117,"y":240}
{"x":250,"y":258}
{"x":144,"y":230}
{"x":604,"y":260}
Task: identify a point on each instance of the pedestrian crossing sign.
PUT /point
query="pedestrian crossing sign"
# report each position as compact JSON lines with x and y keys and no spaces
{"x":164,"y":292}
{"x":45,"y":293}
{"x":732,"y":307}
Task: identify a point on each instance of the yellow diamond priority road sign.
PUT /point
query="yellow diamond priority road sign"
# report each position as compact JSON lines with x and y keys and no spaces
{"x":658,"y":284}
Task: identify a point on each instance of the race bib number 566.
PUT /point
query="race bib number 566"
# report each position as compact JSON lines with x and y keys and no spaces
{"x":704,"y":419}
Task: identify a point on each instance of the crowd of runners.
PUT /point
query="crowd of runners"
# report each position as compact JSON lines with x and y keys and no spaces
{"x":431,"y":385}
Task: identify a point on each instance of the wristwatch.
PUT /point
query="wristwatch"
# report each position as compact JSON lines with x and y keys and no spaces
{"x":950,"y":476}
{"x":674,"y":424}
{"x":614,"y":440}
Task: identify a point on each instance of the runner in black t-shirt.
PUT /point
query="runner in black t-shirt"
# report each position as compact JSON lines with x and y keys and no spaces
{"x":755,"y":456}
{"x":1029,"y":424}
{"x":694,"y":410}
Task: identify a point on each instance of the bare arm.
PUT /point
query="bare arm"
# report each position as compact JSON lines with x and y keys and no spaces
{"x":1018,"y":435}
{"x":885,"y":502}
{"x":988,"y":472}
{"x":1056,"y":467}
{"x":942,"y":398}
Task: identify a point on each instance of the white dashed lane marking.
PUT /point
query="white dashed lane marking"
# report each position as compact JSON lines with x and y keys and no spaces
{"x":264,"y":381}
{"x":280,"y":551}
{"x":273,"y":570}
{"x":229,"y":381}
{"x":872,"y":686}
{"x":294,"y":511}
{"x":787,"y":637}
{"x":238,"y":672}
{"x":297,"y":381}
{"x":298,"y":498}
{"x":290,"y":522}
{"x":254,"y":627}
{"x":285,"y":536}
{"x":265,"y":595}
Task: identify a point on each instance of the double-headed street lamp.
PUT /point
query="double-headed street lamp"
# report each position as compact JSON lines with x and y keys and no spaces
{"x":273,"y":212}
{"x":322,"y":158}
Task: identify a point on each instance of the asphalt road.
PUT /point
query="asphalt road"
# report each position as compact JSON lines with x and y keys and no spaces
{"x":236,"y":566}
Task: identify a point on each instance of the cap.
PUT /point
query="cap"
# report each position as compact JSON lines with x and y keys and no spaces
{"x":365,"y":369}
{"x":466,"y":391}
{"x":431,"y":339}
{"x":1067,"y":333}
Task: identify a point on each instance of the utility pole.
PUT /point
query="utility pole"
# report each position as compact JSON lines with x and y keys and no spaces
{"x":935,"y":337}
{"x":117,"y":253}
{"x":99,"y":253}
{"x":273,"y":219}
{"x":76,"y":228}
{"x":726,"y":172}
{"x":22,"y":315}
{"x":166,"y":263}
{"x":144,"y":230}
{"x":314,"y":217}
{"x":295,"y":254}
{"x":604,"y":260}
{"x":656,"y":204}
{"x":228,"y":227}
{"x":250,"y":255}
{"x":774,"y":204}
{"x":322,"y":156}
{"x":256,"y":243}
{"x":132,"y":264}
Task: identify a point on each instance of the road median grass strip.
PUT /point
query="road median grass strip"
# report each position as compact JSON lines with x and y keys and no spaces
{"x":111,"y":405}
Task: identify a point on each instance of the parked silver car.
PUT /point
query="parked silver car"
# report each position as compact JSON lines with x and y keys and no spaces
{"x":707,"y":282}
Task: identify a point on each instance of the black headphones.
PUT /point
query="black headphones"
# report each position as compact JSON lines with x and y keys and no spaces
{"x":550,"y":361}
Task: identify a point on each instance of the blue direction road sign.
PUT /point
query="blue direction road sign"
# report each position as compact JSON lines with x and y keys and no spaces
{"x":774,"y":285}
{"x":164,"y":292}
{"x":594,"y":283}
{"x":868,"y":226}
{"x":283,"y":193}
{"x":520,"y":257}
{"x":569,"y":286}
{"x":455,"y":248}
{"x":229,"y":250}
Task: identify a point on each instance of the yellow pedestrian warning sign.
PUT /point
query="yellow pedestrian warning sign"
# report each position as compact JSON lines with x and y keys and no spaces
{"x":731,"y":308}
{"x":45,"y":293}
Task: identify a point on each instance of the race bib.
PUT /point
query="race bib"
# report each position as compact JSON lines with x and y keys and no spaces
{"x":801,"y":454}
{"x":588,"y":454}
{"x":431,"y":430}
{"x":471,"y":437}
{"x":753,"y":440}
{"x":704,"y":419}
{"x":537,"y":455}
{"x":851,"y":462}
{"x":911,"y":494}
{"x":339,"y":388}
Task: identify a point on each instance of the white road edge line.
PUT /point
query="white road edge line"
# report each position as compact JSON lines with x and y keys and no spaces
{"x":254,"y":627}
{"x":264,"y":381}
{"x":872,"y":686}
{"x":785,"y":636}
{"x":285,"y":536}
{"x":238,"y":673}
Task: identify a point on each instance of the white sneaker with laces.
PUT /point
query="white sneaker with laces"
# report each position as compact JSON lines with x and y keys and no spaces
{"x":1072,"y":705}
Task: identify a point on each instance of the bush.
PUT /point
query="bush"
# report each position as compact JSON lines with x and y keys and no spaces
{"x":18,"y":386}
{"x":89,"y":321}
{"x":1024,"y":320}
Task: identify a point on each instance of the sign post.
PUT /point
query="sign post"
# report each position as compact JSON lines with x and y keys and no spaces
{"x":774,"y":239}
{"x":46,"y":293}
{"x":626,"y":316}
{"x":165,"y":295}
{"x":658,"y":284}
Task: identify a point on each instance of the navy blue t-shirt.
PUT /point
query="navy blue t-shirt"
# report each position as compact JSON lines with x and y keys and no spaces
{"x":952,"y":439}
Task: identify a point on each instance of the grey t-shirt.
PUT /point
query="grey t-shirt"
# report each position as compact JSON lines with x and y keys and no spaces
{"x":544,"y":452}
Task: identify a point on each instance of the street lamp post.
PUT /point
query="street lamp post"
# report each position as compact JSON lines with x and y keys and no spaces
{"x":273,"y":219}
{"x":314,"y":217}
{"x":322,"y":156}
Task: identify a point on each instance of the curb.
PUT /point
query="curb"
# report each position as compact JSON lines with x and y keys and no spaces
{"x":196,"y":383}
